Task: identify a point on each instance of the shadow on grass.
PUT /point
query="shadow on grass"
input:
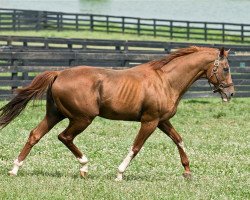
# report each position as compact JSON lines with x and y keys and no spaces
{"x":57,"y":174}
{"x":149,"y":177}
{"x":45,"y":173}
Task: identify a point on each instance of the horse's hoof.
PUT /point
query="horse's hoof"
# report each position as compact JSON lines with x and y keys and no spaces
{"x":187,"y":175}
{"x":118,"y":179}
{"x":83,"y":174}
{"x":11,"y":173}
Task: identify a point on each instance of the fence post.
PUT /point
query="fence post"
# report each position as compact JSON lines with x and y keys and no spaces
{"x":154,"y":24}
{"x":14,"y":73}
{"x":39,"y":20}
{"x":25,"y":76}
{"x":171,"y":29}
{"x":74,"y":61}
{"x":138,"y":26}
{"x":223,"y":32}
{"x":46,"y":44}
{"x":123,"y":24}
{"x":205,"y":31}
{"x":91,"y":22}
{"x":61,"y":21}
{"x":77,"y":22}
{"x":25,"y":44}
{"x":57,"y":22}
{"x":107,"y":23}
{"x":188,"y":34}
{"x":14,"y":20}
{"x":242,"y":33}
{"x":118,"y":48}
{"x":70,"y":46}
{"x":9,"y":41}
{"x":45,"y":20}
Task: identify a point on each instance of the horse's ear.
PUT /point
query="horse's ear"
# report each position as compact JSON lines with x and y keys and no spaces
{"x":222,"y":51}
{"x":227,"y":52}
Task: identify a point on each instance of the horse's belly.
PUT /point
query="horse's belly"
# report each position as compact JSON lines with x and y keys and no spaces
{"x":120,"y":113}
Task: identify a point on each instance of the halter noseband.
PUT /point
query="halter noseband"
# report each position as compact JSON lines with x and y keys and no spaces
{"x":214,"y":72}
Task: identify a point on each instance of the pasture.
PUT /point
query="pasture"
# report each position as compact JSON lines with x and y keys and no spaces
{"x":216,"y":136}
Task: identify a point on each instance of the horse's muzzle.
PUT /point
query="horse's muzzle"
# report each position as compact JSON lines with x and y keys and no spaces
{"x":226,"y":96}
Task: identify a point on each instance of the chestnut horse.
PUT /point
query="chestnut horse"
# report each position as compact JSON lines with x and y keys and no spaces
{"x":148,"y":93}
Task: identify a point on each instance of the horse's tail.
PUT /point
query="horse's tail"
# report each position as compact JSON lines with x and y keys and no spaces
{"x":33,"y":91}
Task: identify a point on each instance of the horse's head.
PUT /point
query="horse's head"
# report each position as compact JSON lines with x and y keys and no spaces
{"x":219,"y":75}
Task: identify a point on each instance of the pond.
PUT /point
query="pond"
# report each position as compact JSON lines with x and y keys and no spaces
{"x":233,"y":11}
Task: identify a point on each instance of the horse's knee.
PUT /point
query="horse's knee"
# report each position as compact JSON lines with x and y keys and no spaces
{"x":33,"y":138}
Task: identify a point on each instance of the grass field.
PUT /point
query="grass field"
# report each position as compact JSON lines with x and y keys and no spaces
{"x":217,"y":142}
{"x":99,"y":35}
{"x":81,"y":34}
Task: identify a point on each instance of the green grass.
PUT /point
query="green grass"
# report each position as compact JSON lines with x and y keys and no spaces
{"x":100,"y":35}
{"x":216,"y":136}
{"x":83,"y":34}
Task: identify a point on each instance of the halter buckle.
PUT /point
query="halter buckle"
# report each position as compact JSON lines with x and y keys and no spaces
{"x":216,"y":63}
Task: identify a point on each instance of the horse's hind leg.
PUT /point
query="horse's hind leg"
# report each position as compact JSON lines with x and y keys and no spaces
{"x":167,"y":128}
{"x":76,"y":126}
{"x":35,"y":135}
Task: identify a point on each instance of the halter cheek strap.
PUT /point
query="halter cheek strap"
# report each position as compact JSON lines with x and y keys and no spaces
{"x":214,"y":72}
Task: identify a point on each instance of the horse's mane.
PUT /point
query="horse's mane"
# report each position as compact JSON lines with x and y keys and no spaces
{"x":158,"y":64}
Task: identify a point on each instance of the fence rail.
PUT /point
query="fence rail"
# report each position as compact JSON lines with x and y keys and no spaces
{"x":189,"y":30}
{"x":42,"y":43}
{"x":21,"y":58}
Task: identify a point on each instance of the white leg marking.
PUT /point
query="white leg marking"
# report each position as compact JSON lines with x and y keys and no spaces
{"x":84,"y":162}
{"x":16,"y":166}
{"x":181,"y":144}
{"x":124,"y":165}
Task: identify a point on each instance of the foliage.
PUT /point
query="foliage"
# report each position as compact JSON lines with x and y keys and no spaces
{"x":216,"y":136}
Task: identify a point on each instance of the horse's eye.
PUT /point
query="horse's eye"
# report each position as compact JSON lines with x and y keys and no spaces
{"x":226,"y":69}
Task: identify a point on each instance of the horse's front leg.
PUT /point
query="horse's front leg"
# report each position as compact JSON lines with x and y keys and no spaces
{"x":147,"y":128}
{"x":167,"y":128}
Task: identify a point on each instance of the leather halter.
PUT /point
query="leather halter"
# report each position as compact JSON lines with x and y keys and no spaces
{"x":221,"y":85}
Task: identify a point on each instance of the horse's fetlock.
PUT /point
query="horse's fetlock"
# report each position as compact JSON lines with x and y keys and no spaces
{"x":185,"y":163}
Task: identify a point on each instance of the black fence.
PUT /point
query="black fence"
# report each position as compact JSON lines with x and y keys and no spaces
{"x":188,"y":30}
{"x":21,"y":58}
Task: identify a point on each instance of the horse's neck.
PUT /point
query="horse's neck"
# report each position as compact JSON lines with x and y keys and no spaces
{"x":183,"y":72}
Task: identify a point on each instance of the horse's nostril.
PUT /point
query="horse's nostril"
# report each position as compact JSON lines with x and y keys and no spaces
{"x":232,"y":94}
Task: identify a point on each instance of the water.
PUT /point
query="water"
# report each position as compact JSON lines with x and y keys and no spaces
{"x":233,"y":11}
